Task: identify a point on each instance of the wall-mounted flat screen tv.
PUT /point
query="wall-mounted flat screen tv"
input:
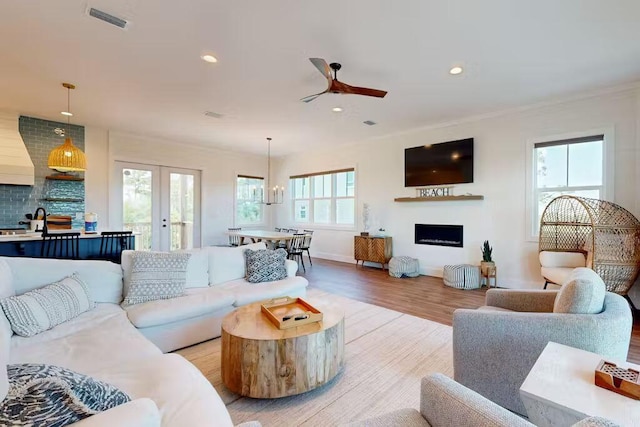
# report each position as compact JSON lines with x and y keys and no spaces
{"x":438,"y":164}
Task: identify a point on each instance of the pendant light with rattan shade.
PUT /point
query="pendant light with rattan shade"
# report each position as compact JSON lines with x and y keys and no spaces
{"x":67,"y":157}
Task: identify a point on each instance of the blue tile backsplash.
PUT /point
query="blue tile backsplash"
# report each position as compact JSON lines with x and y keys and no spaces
{"x":16,"y":200}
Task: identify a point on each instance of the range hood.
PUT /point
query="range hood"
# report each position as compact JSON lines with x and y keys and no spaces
{"x":16,"y":166}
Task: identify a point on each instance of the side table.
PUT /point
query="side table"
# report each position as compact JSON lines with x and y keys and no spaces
{"x":560,"y":390}
{"x":488,"y":274}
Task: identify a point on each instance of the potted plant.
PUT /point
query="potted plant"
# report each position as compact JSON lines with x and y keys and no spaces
{"x":487,"y":260}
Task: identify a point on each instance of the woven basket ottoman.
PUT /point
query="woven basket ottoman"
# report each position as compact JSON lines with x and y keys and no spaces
{"x":403,"y":266}
{"x":463,"y":276}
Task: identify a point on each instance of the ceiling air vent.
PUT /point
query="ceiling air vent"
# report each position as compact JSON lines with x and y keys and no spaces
{"x":214,"y":115}
{"x":108,"y":18}
{"x":369,"y":122}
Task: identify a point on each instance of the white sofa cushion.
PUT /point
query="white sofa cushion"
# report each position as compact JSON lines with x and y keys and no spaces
{"x":5,"y":346}
{"x":227,"y":264}
{"x":197,"y":268}
{"x":562,"y":259}
{"x":556,"y":275}
{"x":196,"y":302}
{"x":246,"y":293}
{"x":183,"y":395}
{"x":96,"y":341}
{"x":42,"y":309}
{"x":156,"y":275}
{"x":141,"y":412}
{"x":6,"y":280}
{"x":103,"y":278}
{"x":582,"y":293}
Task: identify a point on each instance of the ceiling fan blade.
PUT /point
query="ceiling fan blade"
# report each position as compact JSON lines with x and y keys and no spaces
{"x":323,"y":67}
{"x":363,"y":91}
{"x":312,"y":97}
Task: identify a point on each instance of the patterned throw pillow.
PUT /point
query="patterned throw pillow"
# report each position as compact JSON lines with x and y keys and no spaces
{"x":265,"y":265}
{"x":46,"y":395}
{"x":156,"y":275}
{"x":41,"y":309}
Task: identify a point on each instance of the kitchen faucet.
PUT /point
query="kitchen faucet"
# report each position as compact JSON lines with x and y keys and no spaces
{"x":44,"y":217}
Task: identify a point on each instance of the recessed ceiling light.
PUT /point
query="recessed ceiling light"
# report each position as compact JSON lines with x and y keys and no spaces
{"x":455,"y":70}
{"x":209,"y":58}
{"x":66,"y":113}
{"x":336,"y":109}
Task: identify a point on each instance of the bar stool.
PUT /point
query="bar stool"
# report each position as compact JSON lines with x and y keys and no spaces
{"x":60,"y":245}
{"x":112,"y":243}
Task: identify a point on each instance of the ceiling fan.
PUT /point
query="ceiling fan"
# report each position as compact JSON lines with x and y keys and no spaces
{"x":336,"y":86}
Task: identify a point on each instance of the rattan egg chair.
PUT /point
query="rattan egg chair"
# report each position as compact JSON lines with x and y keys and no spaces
{"x":605,"y":233}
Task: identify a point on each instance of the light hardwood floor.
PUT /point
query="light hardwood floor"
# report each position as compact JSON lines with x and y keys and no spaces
{"x":423,"y":296}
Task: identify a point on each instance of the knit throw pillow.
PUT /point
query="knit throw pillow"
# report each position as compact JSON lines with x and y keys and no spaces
{"x":265,"y":265}
{"x":582,"y":293}
{"x":42,"y":309}
{"x":156,"y":275}
{"x":46,"y":395}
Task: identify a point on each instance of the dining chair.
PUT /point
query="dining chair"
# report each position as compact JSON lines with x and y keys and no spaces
{"x":60,"y":245}
{"x":112,"y":243}
{"x":308,"y":234}
{"x":234,"y":240}
{"x":295,"y":248}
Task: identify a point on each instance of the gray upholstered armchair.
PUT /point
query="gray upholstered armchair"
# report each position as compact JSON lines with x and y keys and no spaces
{"x":495,"y":347}
{"x":445,"y":403}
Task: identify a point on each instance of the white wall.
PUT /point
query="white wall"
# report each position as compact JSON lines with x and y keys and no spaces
{"x":218,"y":175}
{"x":499,"y":175}
{"x":97,"y":176}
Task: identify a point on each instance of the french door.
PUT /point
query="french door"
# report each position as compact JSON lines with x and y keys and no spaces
{"x":161,"y":204}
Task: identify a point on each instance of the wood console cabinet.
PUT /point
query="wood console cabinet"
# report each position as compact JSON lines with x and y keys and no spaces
{"x":373,"y":249}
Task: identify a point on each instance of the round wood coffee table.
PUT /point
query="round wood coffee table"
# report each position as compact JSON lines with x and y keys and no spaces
{"x":259,"y":360}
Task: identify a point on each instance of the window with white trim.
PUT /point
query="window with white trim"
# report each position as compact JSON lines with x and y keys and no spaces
{"x":326,"y":198}
{"x":571,"y":166}
{"x":249,"y":189}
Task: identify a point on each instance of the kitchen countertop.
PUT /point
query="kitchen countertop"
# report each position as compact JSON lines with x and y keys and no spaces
{"x":30,"y":236}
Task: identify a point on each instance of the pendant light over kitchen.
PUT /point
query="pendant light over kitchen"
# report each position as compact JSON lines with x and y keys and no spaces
{"x":67,"y":157}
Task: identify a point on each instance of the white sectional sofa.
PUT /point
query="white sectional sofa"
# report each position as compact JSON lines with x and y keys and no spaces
{"x":124,"y":347}
{"x":215,"y":287}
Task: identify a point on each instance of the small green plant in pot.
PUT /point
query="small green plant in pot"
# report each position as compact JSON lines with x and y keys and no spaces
{"x":487,"y":260}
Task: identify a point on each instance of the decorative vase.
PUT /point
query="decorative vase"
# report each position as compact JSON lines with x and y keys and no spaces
{"x":484,"y":265}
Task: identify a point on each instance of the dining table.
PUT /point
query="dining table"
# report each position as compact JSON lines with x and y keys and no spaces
{"x":261,"y":235}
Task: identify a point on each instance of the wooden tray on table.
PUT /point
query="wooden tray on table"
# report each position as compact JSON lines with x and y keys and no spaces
{"x":287,"y":312}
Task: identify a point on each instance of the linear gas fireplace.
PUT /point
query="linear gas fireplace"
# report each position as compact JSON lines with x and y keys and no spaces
{"x":439,"y":235}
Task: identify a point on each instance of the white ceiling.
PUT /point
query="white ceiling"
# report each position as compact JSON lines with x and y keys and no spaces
{"x":150,"y":79}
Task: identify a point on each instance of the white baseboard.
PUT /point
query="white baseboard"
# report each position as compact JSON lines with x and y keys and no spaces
{"x":437,"y":272}
{"x":333,"y":257}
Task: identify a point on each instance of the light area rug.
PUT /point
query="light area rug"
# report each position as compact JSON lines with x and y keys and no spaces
{"x":386,"y":355}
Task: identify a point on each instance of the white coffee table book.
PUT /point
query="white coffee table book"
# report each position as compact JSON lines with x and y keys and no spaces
{"x":560,"y":390}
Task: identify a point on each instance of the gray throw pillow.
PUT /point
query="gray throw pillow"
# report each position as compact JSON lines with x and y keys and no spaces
{"x":156,"y":275}
{"x":42,"y":309}
{"x":265,"y":265}
{"x":46,"y":395}
{"x":582,"y":293}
